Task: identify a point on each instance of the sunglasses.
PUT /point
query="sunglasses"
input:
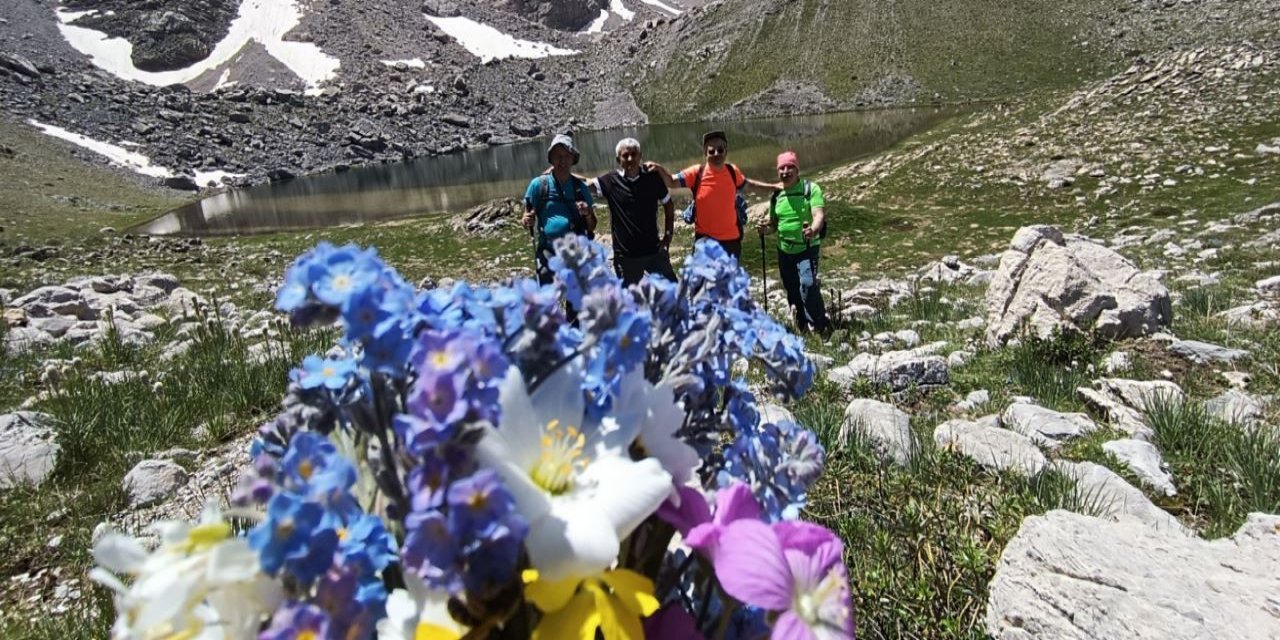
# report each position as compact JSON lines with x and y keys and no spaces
{"x":715,"y":151}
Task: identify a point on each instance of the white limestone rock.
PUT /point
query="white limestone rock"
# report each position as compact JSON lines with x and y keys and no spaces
{"x":28,"y":448}
{"x":152,"y":481}
{"x":1105,"y":494}
{"x":993,"y":448}
{"x":885,"y":426}
{"x":1145,"y":461}
{"x":1066,"y":576}
{"x":1045,"y":426}
{"x":1048,"y":281}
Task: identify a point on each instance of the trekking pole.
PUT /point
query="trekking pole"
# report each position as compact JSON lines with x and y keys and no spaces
{"x":533,"y":236}
{"x":764,"y":272}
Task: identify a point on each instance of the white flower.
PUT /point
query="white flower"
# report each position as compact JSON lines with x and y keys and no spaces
{"x":200,"y":582}
{"x":655,"y":410}
{"x":571,"y":477}
{"x":418,"y":612}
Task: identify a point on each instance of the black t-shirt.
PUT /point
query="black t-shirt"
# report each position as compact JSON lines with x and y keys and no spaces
{"x":633,"y":210}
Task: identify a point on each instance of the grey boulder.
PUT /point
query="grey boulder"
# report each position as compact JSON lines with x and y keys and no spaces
{"x":1045,"y":426}
{"x":1204,"y":352}
{"x":1101,"y":492}
{"x":152,"y":481}
{"x":28,"y":448}
{"x":1145,"y":461}
{"x":1049,"y":281}
{"x":886,"y":427}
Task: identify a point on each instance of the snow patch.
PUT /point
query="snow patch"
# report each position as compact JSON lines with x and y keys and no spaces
{"x":412,"y":63}
{"x":205,"y":178}
{"x":597,"y":25}
{"x":122,"y":157}
{"x":623,"y":12}
{"x":223,"y":80}
{"x":487,"y":43}
{"x":264,"y":21}
{"x":664,"y":7}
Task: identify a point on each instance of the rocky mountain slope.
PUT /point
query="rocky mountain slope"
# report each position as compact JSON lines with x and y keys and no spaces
{"x":349,"y":83}
{"x":736,"y":59}
{"x":258,"y":90}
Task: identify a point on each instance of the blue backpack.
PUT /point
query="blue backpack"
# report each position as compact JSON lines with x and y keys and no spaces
{"x":577,"y":224}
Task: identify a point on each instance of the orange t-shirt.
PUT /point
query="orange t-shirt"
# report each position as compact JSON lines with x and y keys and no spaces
{"x":717,"y":216}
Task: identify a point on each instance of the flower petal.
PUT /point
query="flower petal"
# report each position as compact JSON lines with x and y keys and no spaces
{"x":571,"y":540}
{"x":577,"y":620}
{"x":559,"y":397}
{"x":549,"y":595}
{"x":751,"y":566}
{"x":119,"y":553}
{"x":616,"y":622}
{"x":633,"y":590}
{"x":625,"y":491}
{"x":521,"y":431}
{"x":737,"y":503}
{"x":790,"y":627}
{"x":689,"y":512}
{"x":672,"y":622}
{"x":531,"y":501}
{"x":806,"y":537}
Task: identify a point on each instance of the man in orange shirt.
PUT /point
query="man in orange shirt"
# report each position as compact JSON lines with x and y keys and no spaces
{"x":715,"y":187}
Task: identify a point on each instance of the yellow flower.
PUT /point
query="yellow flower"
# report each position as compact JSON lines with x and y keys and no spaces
{"x":613,"y":602}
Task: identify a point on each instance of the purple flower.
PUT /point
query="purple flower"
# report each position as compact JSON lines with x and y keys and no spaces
{"x":691,"y":512}
{"x":296,"y":620}
{"x":437,"y":397}
{"x":478,"y":502}
{"x":431,"y":551}
{"x":732,"y":505}
{"x":353,"y":602}
{"x":671,"y":621}
{"x":793,"y":568}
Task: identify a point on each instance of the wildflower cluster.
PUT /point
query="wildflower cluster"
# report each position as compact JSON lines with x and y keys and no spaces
{"x":510,"y":460}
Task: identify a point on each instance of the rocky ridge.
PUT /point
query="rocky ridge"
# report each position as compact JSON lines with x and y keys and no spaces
{"x":261,"y":127}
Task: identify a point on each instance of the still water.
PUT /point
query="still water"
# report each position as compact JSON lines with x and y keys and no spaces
{"x":453,"y":183}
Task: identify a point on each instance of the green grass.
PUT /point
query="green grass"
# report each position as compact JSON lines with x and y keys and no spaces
{"x":51,"y":196}
{"x":922,"y":541}
{"x":959,"y":49}
{"x":1223,"y":471}
{"x":1048,"y":370}
{"x":104,"y":429}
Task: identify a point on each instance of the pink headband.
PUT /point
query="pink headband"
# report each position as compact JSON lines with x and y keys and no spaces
{"x":788,"y":158}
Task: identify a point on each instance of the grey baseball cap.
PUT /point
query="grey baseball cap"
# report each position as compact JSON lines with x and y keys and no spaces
{"x":565,"y":141}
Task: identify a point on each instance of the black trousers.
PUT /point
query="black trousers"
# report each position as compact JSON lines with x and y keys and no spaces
{"x":731,"y":247}
{"x":632,"y":268}
{"x":799,"y":273}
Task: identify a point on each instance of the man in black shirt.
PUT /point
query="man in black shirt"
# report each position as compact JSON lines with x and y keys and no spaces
{"x":633,"y":195}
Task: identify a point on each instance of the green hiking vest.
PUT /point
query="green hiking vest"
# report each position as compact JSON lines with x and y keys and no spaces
{"x":793,"y":209}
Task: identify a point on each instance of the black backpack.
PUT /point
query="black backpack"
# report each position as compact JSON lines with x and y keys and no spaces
{"x":808,"y":192}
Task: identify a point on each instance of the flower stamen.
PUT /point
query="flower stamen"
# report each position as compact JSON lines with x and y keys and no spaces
{"x":560,"y":459}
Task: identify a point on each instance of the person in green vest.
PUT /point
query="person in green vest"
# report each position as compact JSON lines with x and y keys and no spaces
{"x":796,"y":213}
